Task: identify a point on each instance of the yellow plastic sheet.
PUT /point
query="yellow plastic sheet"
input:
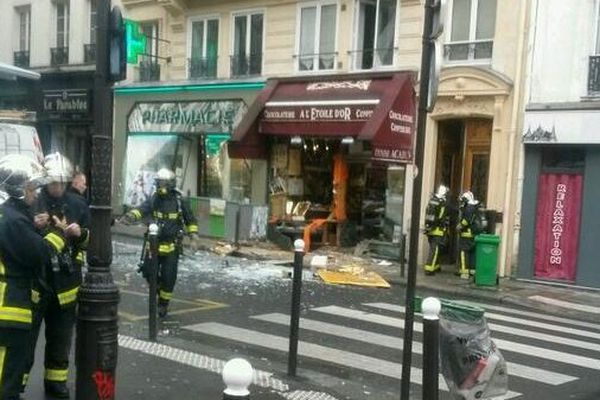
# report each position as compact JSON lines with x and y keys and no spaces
{"x":353,"y":276}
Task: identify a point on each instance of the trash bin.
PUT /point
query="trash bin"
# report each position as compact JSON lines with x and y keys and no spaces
{"x":486,"y":260}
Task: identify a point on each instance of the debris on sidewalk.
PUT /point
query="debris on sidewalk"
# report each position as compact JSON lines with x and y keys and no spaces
{"x":353,"y":275}
{"x":223,"y":249}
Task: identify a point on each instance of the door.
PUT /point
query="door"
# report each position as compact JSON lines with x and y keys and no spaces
{"x":478,"y":135}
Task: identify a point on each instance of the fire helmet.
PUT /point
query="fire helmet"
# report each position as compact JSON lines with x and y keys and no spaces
{"x":468,"y":198}
{"x":58,"y":168}
{"x":441,"y":192}
{"x":165,"y":181}
{"x":17,"y":172}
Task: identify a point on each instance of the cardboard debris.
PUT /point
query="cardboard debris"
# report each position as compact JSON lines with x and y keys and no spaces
{"x":353,"y":275}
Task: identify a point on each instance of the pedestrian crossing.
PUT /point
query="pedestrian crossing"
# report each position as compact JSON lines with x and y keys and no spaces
{"x":542,"y":351}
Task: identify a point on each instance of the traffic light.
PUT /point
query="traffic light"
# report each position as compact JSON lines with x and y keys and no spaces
{"x":117,"y":63}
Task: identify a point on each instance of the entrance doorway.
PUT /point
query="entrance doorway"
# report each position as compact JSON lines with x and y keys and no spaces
{"x":462,"y":163}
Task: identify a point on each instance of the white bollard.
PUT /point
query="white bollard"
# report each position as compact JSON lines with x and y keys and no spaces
{"x":431,"y":308}
{"x":237,"y":376}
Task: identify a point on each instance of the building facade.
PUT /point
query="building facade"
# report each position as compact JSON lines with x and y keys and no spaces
{"x":561,"y":146}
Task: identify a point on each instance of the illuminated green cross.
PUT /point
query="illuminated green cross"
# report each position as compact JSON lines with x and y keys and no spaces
{"x":135,"y":39}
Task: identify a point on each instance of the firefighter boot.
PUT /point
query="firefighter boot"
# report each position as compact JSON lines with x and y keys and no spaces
{"x":163,"y":308}
{"x":57,"y":390}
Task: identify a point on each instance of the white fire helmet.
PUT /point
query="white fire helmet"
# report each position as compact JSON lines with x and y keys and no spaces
{"x":58,"y":168}
{"x":165,"y":180}
{"x":17,"y":172}
{"x":469,"y":198}
{"x":441,"y":192}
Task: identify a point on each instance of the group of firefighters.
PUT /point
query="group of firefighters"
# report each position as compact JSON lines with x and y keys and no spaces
{"x":470,"y":220}
{"x":44,"y":232}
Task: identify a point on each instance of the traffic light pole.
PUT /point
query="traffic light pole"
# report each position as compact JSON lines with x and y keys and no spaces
{"x":97,"y":330}
{"x":409,"y":316}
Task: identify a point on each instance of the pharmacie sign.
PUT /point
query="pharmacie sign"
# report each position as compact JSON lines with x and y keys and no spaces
{"x":187,"y":117}
{"x":68,"y":101}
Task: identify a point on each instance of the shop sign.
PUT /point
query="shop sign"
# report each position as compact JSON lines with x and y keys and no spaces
{"x":187,"y":117}
{"x":319,"y":113}
{"x":67,"y":101}
{"x":557,"y":226}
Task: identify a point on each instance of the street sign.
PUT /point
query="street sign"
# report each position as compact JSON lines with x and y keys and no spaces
{"x":440,"y":8}
{"x":435,"y":70}
{"x":135,"y":39}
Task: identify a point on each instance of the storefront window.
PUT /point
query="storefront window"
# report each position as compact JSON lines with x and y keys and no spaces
{"x":567,"y":158}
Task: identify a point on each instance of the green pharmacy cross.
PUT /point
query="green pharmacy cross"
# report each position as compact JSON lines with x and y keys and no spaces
{"x":136,"y":41}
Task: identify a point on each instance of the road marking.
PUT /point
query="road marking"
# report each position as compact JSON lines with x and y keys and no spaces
{"x":505,"y":345}
{"x":566,"y":304}
{"x":512,"y":331}
{"x":506,"y":318}
{"x":200,"y":361}
{"x":315,"y":351}
{"x":518,"y":370}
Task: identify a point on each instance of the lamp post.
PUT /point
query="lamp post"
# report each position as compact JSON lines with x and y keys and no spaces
{"x":97,"y":341}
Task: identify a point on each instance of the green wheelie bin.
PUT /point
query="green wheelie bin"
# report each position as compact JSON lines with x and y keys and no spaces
{"x":486,"y":260}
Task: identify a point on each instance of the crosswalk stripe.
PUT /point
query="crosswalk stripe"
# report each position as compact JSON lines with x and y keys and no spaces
{"x":506,"y":345}
{"x":506,"y":318}
{"x":310,"y":350}
{"x":513,"y":331}
{"x":566,"y":304}
{"x":522,"y":371}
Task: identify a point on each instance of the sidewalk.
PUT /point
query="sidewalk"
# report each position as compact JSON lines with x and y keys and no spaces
{"x":576,"y":302}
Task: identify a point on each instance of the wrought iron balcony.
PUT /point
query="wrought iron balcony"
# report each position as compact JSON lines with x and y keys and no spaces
{"x":246,"y":65}
{"x":204,"y":67}
{"x":372,"y":58}
{"x":149,"y":71}
{"x":89,"y":53}
{"x":21,"y":58}
{"x":469,"y":51}
{"x":317,"y":61}
{"x":59,"y":56}
{"x":594,"y":76}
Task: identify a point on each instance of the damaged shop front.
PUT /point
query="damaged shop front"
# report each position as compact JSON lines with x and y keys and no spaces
{"x":185,"y":128}
{"x":337,"y":149}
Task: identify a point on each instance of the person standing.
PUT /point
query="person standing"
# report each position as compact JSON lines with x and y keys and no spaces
{"x":23,"y":252}
{"x":168,"y":209}
{"x":436,"y":228}
{"x":78,"y":185}
{"x":469,"y":225}
{"x":57,"y":301}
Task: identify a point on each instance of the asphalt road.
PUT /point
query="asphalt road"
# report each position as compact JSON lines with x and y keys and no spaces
{"x":351,"y":337}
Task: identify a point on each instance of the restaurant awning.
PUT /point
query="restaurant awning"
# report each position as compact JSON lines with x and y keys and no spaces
{"x":379,"y":108}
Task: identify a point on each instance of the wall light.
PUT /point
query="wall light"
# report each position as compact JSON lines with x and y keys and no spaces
{"x":348,"y":140}
{"x":296,"y":140}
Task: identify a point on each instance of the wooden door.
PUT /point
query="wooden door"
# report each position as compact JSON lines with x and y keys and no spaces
{"x":478,"y":135}
{"x":448,"y":169}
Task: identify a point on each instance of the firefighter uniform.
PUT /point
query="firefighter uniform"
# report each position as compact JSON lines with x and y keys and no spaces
{"x":173,"y":217}
{"x":56,"y":304}
{"x":469,"y":226}
{"x":22,"y":252}
{"x":436,"y":228}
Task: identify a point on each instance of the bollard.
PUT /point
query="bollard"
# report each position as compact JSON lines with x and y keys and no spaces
{"x":237,"y":376}
{"x":152,"y":271}
{"x":295,"y":316}
{"x":431,"y":308}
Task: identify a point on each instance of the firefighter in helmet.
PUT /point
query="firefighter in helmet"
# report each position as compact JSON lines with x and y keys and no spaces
{"x":56,"y":302}
{"x":172,"y":214}
{"x":23,"y":254}
{"x":470,"y":224}
{"x":436,"y":227}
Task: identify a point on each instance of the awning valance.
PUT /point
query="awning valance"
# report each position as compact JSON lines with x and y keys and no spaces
{"x":376,"y":108}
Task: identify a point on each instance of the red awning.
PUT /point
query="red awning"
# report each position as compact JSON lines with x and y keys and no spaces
{"x":376,"y":108}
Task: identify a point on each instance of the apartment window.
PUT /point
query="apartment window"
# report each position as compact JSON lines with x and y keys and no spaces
{"x":62,"y":24}
{"x":316,"y":47}
{"x":376,"y":28}
{"x":93,"y":20}
{"x":472,"y":30}
{"x":247,"y":45}
{"x":594,"y":60}
{"x":149,"y":67}
{"x":21,"y":55}
{"x":204,"y":48}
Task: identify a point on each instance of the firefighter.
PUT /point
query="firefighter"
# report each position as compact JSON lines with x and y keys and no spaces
{"x":173,"y":216}
{"x":57,"y":302}
{"x":470,"y":224}
{"x":23,"y":251}
{"x":436,"y":228}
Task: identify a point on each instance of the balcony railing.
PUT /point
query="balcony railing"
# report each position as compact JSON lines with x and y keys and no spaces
{"x":372,"y":58}
{"x":469,"y":51}
{"x":21,"y":58}
{"x":317,"y":61}
{"x":205,"y":67}
{"x":149,"y":71}
{"x":246,"y":65}
{"x":89,"y":53}
{"x":59,"y":56}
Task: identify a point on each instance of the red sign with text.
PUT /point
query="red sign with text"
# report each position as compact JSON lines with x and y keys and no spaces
{"x":557,"y":226}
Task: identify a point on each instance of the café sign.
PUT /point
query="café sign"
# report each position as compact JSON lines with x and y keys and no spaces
{"x":187,"y":117}
{"x":68,"y":101}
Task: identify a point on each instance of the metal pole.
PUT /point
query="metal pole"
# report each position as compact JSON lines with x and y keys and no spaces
{"x":152,"y":281}
{"x":403,"y":256}
{"x":409,"y":316}
{"x":97,"y":330}
{"x":295,"y":317}
{"x":431,"y":347}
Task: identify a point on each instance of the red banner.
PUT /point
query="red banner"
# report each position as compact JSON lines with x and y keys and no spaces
{"x":557,"y":226}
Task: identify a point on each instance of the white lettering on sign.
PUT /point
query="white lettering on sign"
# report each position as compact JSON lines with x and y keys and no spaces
{"x":363,"y":114}
{"x":389,"y":154}
{"x":395,"y":116}
{"x":280,"y":114}
{"x":400,"y":123}
{"x":360,"y":85}
{"x":558,"y":220}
